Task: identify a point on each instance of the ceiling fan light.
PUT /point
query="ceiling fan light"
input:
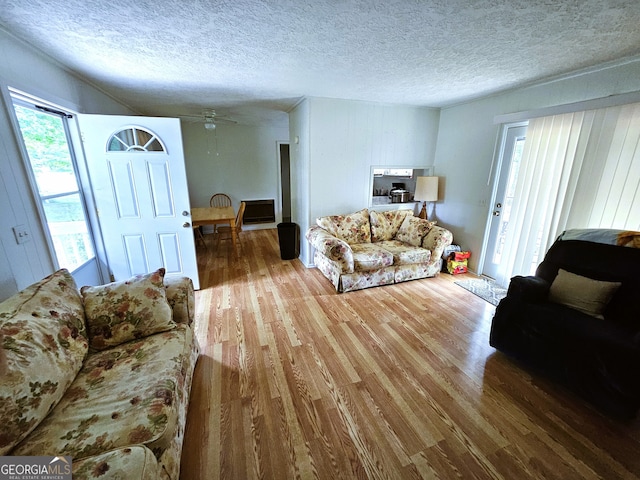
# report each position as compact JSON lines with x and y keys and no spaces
{"x":210,"y":126}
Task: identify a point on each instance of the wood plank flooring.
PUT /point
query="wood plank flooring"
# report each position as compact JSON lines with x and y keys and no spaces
{"x":394,"y":382}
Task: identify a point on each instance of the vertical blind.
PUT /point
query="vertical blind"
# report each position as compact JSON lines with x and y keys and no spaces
{"x":578,"y":170}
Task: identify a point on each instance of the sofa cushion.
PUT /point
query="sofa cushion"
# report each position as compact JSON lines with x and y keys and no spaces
{"x":352,"y":228}
{"x":413,"y":230}
{"x":370,"y":256}
{"x":123,"y":396}
{"x":122,"y":311}
{"x":404,"y":254}
{"x":581,"y":293}
{"x":42,"y":345}
{"x":136,"y":462}
{"x":385,"y":225}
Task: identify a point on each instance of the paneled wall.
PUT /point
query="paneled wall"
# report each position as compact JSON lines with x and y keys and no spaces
{"x":345,"y":139}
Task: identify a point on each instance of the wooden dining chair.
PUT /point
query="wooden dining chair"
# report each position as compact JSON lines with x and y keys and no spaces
{"x":220,"y":200}
{"x":224,"y":231}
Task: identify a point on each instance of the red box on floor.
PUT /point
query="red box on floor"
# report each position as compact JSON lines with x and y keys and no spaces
{"x":459,"y":256}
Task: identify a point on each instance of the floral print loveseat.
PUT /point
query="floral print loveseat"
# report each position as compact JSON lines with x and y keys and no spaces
{"x":370,"y":248}
{"x":102,"y":374}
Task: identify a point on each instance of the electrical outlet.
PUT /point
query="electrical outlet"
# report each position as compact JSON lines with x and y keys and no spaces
{"x":22,"y":234}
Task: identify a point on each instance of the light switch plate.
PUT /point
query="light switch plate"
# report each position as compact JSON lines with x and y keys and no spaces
{"x":21,"y":233}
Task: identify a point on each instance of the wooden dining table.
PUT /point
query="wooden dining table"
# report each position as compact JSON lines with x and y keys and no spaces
{"x":213,"y":216}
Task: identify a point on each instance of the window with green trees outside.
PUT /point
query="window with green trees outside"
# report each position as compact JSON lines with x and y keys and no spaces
{"x":46,"y":141}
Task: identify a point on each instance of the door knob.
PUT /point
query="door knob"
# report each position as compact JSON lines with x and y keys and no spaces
{"x":186,"y":224}
{"x":496,"y":213}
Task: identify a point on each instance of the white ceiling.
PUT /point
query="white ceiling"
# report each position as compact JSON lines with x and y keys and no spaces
{"x":259,"y":57}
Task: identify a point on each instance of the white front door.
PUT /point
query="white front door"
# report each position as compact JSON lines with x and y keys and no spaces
{"x":138,"y":177}
{"x":508,"y":165}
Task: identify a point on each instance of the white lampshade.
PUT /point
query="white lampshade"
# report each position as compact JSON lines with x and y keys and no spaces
{"x":426,"y":189}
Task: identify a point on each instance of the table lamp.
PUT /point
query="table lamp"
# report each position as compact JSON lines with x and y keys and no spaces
{"x":426,"y":191}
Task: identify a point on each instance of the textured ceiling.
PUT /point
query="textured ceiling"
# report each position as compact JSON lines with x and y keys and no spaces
{"x":168,"y":57}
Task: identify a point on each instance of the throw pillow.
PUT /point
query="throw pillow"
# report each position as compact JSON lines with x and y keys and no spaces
{"x":353,"y":228}
{"x":122,"y":311}
{"x":385,"y":225}
{"x":413,"y":230}
{"x":582,"y":293}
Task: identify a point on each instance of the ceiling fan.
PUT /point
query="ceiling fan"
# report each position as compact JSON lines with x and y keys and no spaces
{"x":210,"y":119}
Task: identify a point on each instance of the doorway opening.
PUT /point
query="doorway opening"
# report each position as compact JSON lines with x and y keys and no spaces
{"x":285,"y":181}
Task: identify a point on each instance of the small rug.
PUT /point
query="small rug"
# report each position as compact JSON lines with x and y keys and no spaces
{"x":485,"y":289}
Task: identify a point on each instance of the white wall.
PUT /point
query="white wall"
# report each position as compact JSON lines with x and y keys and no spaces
{"x":345,"y":139}
{"x":467,"y":138}
{"x":299,"y":132}
{"x":241,"y":161}
{"x":28,"y":70}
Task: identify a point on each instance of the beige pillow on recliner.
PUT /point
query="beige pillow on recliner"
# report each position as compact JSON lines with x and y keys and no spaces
{"x":582,"y":293}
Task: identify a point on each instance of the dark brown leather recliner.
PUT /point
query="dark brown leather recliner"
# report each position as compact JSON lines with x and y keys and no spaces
{"x":598,"y":358}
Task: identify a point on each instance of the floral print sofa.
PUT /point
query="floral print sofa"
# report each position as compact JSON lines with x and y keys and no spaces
{"x":102,"y":374}
{"x":370,"y":248}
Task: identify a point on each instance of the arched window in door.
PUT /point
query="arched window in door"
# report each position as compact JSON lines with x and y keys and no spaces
{"x":134,"y":139}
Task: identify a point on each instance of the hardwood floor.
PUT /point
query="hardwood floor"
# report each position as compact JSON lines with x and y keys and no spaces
{"x":394,"y":382}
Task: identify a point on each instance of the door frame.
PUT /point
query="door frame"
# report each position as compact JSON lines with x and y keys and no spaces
{"x":496,"y":169}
